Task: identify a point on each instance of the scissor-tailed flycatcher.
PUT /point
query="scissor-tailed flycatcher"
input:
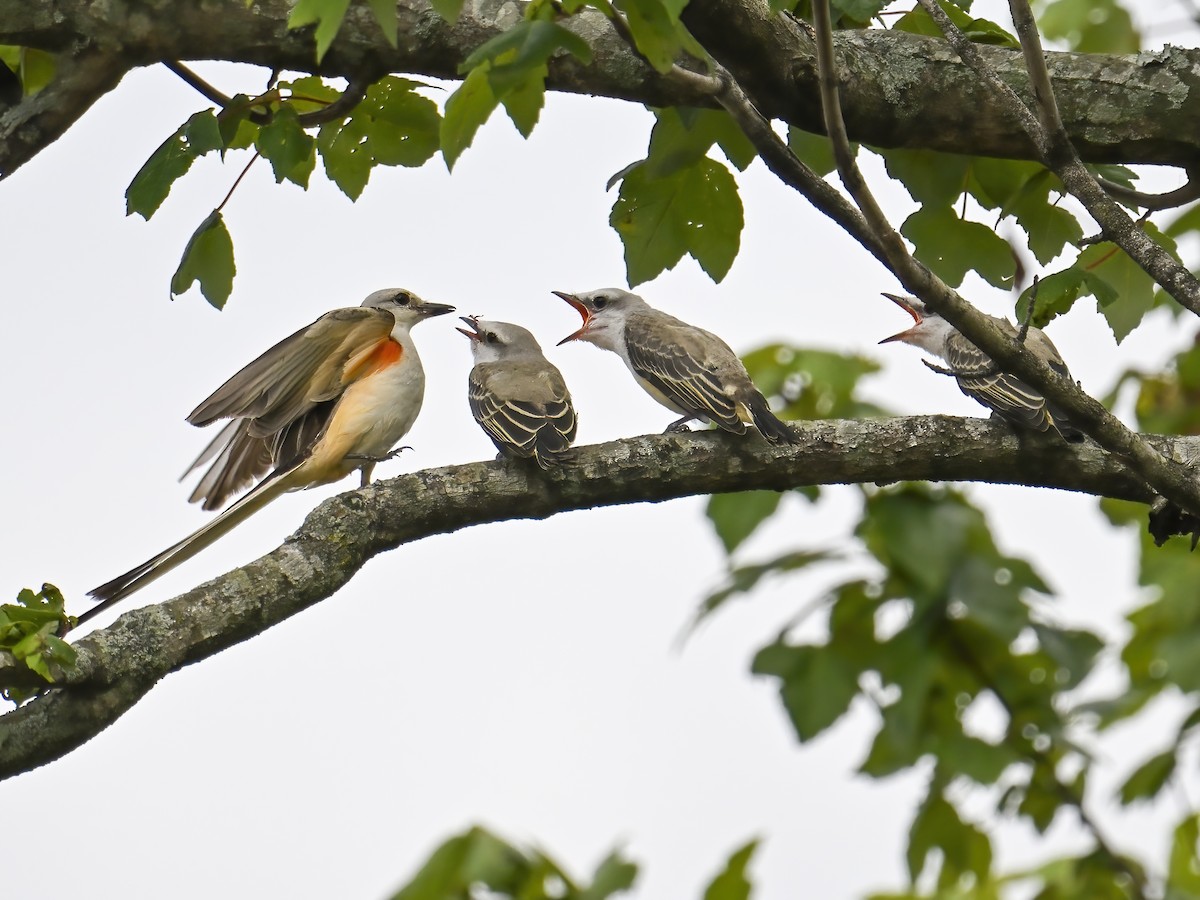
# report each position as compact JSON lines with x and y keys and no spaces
{"x":979,"y":378}
{"x":687,"y":369}
{"x":518,"y":396}
{"x":334,"y":397}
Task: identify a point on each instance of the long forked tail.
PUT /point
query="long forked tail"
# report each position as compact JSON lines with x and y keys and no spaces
{"x":138,"y":577}
{"x":768,"y":424}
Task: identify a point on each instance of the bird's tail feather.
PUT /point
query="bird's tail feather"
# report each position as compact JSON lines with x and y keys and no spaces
{"x":138,"y":577}
{"x":768,"y":424}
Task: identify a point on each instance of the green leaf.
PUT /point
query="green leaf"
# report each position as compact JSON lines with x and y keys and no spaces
{"x":328,"y":16}
{"x":682,"y":136}
{"x":1130,"y":289}
{"x":404,"y":126}
{"x":736,"y":516}
{"x":386,"y":15}
{"x":197,"y":136}
{"x":523,"y":100}
{"x":732,"y":883}
{"x":933,"y":179}
{"x":859,"y":10}
{"x":466,"y":109}
{"x":657,"y":32}
{"x":695,"y":210}
{"x":346,"y":154}
{"x":817,"y":684}
{"x":1149,"y":778}
{"x":813,"y":384}
{"x":290,"y":150}
{"x":814,"y":150}
{"x":613,"y":876}
{"x":1050,"y":228}
{"x":208,"y":259}
{"x":951,"y":247}
{"x":37,"y":69}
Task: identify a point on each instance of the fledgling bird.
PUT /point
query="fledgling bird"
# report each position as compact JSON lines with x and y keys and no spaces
{"x":334,"y":397}
{"x":687,"y":369}
{"x":518,"y":396}
{"x":979,"y":378}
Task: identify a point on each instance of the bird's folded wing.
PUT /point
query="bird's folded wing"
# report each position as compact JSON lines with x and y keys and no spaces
{"x":980,"y":378}
{"x":312,"y":365}
{"x":526,"y":411}
{"x":676,"y":361}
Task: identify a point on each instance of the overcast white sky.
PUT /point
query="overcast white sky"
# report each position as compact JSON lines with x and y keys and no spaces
{"x":569,"y":718}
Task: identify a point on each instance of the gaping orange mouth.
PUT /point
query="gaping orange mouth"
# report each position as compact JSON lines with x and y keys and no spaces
{"x":579,"y":307}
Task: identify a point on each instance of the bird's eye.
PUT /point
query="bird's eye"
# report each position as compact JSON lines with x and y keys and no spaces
{"x":490,"y":337}
{"x":600,"y":302}
{"x":403,"y":299}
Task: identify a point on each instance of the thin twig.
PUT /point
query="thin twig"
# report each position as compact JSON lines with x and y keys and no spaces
{"x":1154,"y":202}
{"x":237,"y":181}
{"x":1028,"y":317}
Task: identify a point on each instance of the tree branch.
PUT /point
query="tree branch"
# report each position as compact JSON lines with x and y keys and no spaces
{"x":119,"y":664}
{"x":899,"y":90}
{"x":1058,"y":154}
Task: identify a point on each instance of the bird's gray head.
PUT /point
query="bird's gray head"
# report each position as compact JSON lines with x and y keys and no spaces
{"x":406,"y":306}
{"x":929,"y":330}
{"x":491,"y":341}
{"x":601,"y":311}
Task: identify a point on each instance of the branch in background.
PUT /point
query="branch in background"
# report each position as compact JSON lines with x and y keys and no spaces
{"x":1169,"y":479}
{"x":1058,"y":153}
{"x":119,"y":664}
{"x":1156,"y":202}
{"x":39,"y":120}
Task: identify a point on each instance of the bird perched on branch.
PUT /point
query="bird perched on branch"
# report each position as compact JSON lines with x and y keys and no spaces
{"x":687,"y":369}
{"x":334,"y":397}
{"x":979,"y":378}
{"x":517,"y":395}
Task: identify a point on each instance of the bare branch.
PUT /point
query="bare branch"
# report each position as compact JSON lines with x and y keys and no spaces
{"x":119,"y":664}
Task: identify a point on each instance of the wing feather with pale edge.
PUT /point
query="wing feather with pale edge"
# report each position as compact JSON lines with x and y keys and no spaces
{"x":676,"y":359}
{"x":979,"y":378}
{"x":527,"y":412}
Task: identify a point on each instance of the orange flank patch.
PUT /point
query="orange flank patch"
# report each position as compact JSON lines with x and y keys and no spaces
{"x":372,"y":359}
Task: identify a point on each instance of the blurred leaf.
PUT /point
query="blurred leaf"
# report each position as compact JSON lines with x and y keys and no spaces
{"x":1149,"y":778}
{"x":326,"y":14}
{"x":813,"y":384}
{"x":197,"y":136}
{"x":742,"y":579}
{"x":477,"y":860}
{"x":208,"y":259}
{"x":735,"y":516}
{"x":613,"y":876}
{"x":981,"y":31}
{"x":1183,"y":874}
{"x":1090,"y":26}
{"x":447,"y":9}
{"x":1131,"y":289}
{"x":37,"y":68}
{"x":951,"y":247}
{"x":732,"y":883}
{"x":817,"y":683}
{"x":964,"y":847}
{"x":860,"y":10}
{"x":385,"y":14}
{"x":695,"y":210}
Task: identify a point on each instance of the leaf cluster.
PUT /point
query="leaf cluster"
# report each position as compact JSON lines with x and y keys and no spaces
{"x":29,"y":632}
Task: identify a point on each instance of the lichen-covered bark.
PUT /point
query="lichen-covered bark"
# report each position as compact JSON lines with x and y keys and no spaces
{"x":899,"y":90}
{"x":119,"y":664}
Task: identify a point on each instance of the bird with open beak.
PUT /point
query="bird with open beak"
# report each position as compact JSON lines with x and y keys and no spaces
{"x":517,"y":396}
{"x":690,"y":371}
{"x":979,"y":378}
